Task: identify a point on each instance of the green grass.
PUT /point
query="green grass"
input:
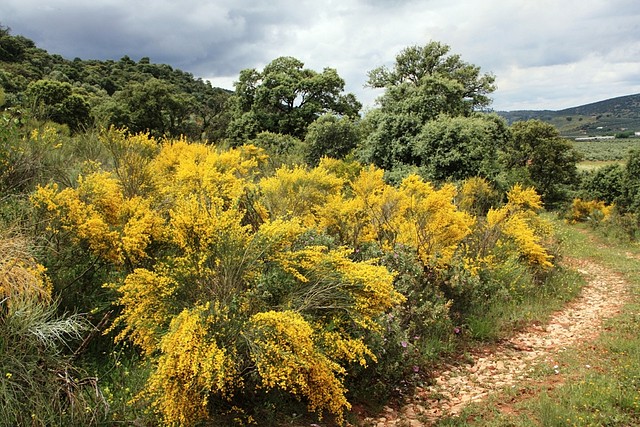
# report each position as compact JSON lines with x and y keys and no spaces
{"x":600,"y":380}
{"x":503,"y":317}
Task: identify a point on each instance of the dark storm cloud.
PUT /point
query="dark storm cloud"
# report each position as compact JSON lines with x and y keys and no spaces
{"x":545,"y":54}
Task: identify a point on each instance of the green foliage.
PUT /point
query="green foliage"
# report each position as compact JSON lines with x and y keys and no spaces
{"x":604,"y":184}
{"x":545,"y":158}
{"x":631,"y":183}
{"x":330,"y":136}
{"x":28,"y":158}
{"x":424,"y":117}
{"x":428,"y":73}
{"x":53,"y":100}
{"x":142,"y":96}
{"x":456,"y":148}
{"x":286,"y":98}
{"x":389,"y":145}
{"x":281,"y":149}
{"x":154,"y":106}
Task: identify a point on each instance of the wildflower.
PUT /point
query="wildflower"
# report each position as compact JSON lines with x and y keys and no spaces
{"x":416,"y":369}
{"x":403,"y":344}
{"x":456,"y":330}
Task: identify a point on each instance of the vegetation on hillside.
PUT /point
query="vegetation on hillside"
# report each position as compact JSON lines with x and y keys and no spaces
{"x":241,"y":254}
{"x":616,"y":116}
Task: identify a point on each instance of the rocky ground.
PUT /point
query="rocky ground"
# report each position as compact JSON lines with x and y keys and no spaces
{"x":512,"y":361}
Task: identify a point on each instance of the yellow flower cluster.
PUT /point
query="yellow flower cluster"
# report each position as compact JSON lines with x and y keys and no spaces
{"x":298,"y":192}
{"x":145,"y":313}
{"x":433,"y":224}
{"x":517,"y":223}
{"x":132,"y":155}
{"x":287,"y":358}
{"x":415,"y":214}
{"x":476,"y":196}
{"x":22,"y":279}
{"x":190,"y":369}
{"x":583,"y":210}
{"x":116,"y":228}
{"x":329,"y":281}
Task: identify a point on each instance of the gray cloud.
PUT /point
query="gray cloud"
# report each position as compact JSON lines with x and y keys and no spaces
{"x":545,"y":54}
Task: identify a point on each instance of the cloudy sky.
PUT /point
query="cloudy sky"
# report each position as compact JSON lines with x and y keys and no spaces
{"x":545,"y":54}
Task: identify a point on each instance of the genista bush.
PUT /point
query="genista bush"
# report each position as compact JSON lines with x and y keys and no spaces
{"x":477,"y":196}
{"x":238,"y":286}
{"x":213,"y":258}
{"x":433,"y":224}
{"x":589,"y":210}
{"x":415,"y":214}
{"x":516,"y":226}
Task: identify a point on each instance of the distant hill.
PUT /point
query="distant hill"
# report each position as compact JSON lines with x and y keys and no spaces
{"x":609,"y":117}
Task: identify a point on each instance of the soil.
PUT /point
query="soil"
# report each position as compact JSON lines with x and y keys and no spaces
{"x":514,"y":360}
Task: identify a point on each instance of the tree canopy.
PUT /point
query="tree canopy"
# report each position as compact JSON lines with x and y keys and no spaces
{"x":286,"y":98}
{"x":141,"y":96}
{"x":428,"y":93}
{"x":427,"y":80}
{"x":537,"y":155}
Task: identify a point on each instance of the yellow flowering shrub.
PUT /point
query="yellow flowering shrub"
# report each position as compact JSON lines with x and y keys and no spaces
{"x":190,"y":369}
{"x":526,"y":199}
{"x":287,"y":358}
{"x":331,"y":282}
{"x":415,"y":214}
{"x":131,"y":155}
{"x":476,"y":196}
{"x":433,"y":224}
{"x":143,"y":226}
{"x":115,"y":228}
{"x":583,"y":210}
{"x":339,"y":347}
{"x":517,"y":223}
{"x":87,"y":224}
{"x":218,"y":279}
{"x":367,"y":210}
{"x":298,"y":192}
{"x":183,"y":169}
{"x":21,"y":277}
{"x":146,"y":298}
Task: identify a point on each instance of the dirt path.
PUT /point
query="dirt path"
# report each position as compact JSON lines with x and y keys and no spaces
{"x":511,"y":361}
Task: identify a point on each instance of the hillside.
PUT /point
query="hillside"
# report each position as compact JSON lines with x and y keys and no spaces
{"x":607,"y":117}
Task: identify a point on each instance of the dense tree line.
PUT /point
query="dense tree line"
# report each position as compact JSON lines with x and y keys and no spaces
{"x":141,"y":96}
{"x":431,"y":118}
